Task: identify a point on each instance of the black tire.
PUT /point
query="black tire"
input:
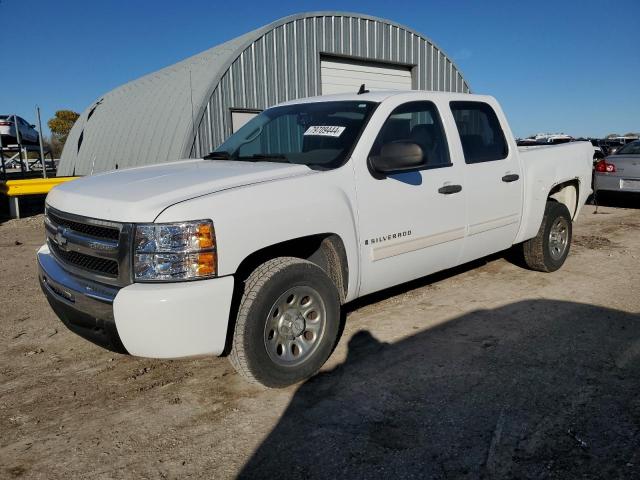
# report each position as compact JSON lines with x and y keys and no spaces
{"x":262,"y":292}
{"x":541,"y":253}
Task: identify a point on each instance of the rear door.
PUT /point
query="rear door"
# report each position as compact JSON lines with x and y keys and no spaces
{"x":492,"y":178}
{"x":411,"y":224}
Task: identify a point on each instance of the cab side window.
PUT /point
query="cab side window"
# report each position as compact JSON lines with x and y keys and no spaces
{"x":419,"y":123}
{"x":480,"y":132}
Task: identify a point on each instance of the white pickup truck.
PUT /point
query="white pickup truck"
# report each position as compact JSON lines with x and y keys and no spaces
{"x":252,"y":250}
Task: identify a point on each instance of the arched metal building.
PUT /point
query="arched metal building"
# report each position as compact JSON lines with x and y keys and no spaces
{"x":187,"y":109}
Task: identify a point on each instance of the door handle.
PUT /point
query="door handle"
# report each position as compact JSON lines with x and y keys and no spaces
{"x":449,"y":189}
{"x":512,"y":177}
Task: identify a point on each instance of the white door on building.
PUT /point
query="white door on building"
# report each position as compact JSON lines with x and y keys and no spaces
{"x":240,"y":117}
{"x":346,"y":76}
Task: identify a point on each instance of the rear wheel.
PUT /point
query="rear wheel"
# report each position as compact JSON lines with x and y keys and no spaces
{"x":287,"y":322}
{"x":548,"y":250}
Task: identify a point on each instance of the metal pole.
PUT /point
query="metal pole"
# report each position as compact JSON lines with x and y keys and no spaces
{"x":44,"y":161}
{"x":4,"y":169}
{"x":25,"y":152}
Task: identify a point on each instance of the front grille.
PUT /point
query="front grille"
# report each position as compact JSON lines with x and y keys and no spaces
{"x":94,"y":264}
{"x":95,"y":249}
{"x":96,"y":231}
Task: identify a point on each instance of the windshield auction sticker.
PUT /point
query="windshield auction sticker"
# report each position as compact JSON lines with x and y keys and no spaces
{"x":325,"y":130}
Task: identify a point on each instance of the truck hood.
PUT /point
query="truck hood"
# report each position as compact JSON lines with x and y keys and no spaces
{"x":140,"y":194}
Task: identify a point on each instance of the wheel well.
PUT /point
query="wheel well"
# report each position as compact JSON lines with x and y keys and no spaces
{"x":325,"y":250}
{"x":567,"y":194}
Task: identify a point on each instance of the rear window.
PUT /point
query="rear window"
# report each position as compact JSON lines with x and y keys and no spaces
{"x":480,"y":132}
{"x":632,"y":148}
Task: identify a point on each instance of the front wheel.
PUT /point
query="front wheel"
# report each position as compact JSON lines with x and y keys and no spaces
{"x":547,"y":251}
{"x":287,"y":323}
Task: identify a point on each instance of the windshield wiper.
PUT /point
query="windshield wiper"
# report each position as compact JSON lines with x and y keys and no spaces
{"x":259,"y":157}
{"x":219,"y":155}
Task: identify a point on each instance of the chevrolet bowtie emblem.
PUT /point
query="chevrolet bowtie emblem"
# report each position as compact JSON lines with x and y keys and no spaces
{"x":61,"y":239}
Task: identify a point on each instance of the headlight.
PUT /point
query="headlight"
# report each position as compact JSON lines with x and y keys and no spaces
{"x":174,"y":251}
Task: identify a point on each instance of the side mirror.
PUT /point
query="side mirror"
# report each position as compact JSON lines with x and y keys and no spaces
{"x":398,"y":157}
{"x":32,"y":126}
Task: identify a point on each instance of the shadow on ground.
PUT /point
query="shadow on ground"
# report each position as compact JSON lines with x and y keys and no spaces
{"x":29,"y":206}
{"x":535,"y":389}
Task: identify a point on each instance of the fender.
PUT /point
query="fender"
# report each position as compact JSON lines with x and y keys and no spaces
{"x":323,"y":202}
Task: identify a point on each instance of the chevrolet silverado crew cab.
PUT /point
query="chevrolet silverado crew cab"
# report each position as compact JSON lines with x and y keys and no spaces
{"x":251,"y":251}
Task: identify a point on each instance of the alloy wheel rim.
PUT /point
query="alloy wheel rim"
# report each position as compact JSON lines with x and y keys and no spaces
{"x":558,"y":238}
{"x":295,"y":326}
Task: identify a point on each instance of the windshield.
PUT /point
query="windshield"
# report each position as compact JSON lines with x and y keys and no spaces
{"x":632,"y":148}
{"x":320,"y":134}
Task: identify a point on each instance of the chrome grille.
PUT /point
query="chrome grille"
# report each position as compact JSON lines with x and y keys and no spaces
{"x":91,"y":248}
{"x":94,"y":264}
{"x":96,"y":231}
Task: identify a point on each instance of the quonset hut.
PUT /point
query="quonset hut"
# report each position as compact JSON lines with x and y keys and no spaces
{"x":187,"y":109}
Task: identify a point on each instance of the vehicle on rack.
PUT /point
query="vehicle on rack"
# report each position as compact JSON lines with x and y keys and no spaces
{"x":25,"y":132}
{"x":253,"y":250}
{"x":619,"y":172}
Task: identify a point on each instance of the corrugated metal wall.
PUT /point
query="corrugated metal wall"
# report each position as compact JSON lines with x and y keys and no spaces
{"x":151,"y":120}
{"x":284,"y":64}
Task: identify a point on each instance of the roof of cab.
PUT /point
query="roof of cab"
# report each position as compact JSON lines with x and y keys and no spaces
{"x":382,"y":95}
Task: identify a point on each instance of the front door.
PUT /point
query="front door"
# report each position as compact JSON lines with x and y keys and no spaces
{"x":413,"y":223}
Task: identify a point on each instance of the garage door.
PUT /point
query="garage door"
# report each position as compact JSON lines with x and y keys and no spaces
{"x":340,"y":76}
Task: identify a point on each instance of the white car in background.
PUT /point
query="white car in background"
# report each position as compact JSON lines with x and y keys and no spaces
{"x":28,"y":133}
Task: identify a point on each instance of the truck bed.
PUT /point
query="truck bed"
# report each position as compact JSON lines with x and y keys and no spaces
{"x":547,"y":166}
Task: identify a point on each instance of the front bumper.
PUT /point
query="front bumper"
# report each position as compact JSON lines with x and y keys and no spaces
{"x":160,"y":320}
{"x":86,"y":308}
{"x":612,"y":183}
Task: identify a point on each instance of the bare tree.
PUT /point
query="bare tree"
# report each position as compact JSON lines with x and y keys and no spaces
{"x":54,"y":145}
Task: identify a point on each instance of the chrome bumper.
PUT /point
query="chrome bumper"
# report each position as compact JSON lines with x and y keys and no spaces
{"x":607,"y":182}
{"x":85,"y":307}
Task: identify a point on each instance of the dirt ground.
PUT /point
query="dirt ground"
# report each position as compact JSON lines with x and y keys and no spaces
{"x":487,"y":371}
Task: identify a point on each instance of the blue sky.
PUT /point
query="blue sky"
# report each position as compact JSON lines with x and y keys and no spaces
{"x":570,"y":66}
